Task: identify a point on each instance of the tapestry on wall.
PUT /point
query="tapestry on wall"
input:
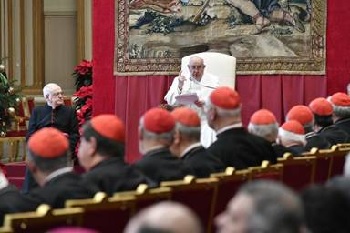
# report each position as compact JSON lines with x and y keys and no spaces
{"x":266,"y":36}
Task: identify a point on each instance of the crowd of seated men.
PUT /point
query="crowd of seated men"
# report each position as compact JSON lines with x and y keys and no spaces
{"x":170,"y":146}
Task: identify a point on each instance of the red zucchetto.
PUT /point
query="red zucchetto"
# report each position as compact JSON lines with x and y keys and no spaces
{"x":109,"y":126}
{"x":292,"y":130}
{"x":186,"y":116}
{"x":225,"y":97}
{"x":300,"y":113}
{"x":340,"y":99}
{"x":263,"y":117}
{"x":48,"y":142}
{"x":158,"y":120}
{"x":294,"y":127}
{"x":321,"y":107}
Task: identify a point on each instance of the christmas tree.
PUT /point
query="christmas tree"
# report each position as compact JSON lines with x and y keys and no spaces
{"x":9,"y":101}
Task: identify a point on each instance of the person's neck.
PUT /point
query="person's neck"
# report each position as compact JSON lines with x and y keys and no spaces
{"x":96,"y":159}
{"x":150,"y":145}
{"x":317,"y":128}
{"x":225,"y":122}
{"x":185,"y":146}
{"x":198,"y":79}
{"x":40,"y":178}
{"x":53,"y":106}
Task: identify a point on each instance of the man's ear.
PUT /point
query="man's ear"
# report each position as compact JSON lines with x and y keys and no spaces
{"x":93,"y":144}
{"x":47,"y":98}
{"x":177,"y":137}
{"x":212,"y":114}
{"x":31,"y":166}
{"x":140,"y":134}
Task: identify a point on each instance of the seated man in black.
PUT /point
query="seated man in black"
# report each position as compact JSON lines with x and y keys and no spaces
{"x":187,"y":145}
{"x":156,"y":134}
{"x":341,"y":105}
{"x":235,"y":146}
{"x":264,"y":124}
{"x":53,"y":114}
{"x":292,"y":135}
{"x":47,"y":160}
{"x":304,"y":116}
{"x":323,"y":122}
{"x":101,"y":153}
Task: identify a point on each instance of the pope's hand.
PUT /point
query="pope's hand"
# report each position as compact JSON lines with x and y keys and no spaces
{"x":199,"y":103}
{"x":182,"y":80}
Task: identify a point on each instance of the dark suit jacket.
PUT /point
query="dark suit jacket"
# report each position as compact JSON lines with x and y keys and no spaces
{"x":239,"y":149}
{"x":63,"y":187}
{"x":297,"y":150}
{"x":280,"y":149}
{"x":202,"y":162}
{"x":344,"y":124}
{"x":314,"y":140}
{"x":54,"y":193}
{"x":161,"y":165}
{"x":12,"y":201}
{"x":114,"y":175}
{"x":334,"y":135}
{"x":63,"y":118}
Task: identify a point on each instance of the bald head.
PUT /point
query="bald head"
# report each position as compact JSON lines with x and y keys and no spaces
{"x":166,"y":216}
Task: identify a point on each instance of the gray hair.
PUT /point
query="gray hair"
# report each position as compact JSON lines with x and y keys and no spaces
{"x":49,"y":89}
{"x":48,"y":165}
{"x":235,"y":112}
{"x":167,"y":136}
{"x":341,"y":111}
{"x":276,"y":208}
{"x":269,"y":131}
{"x":189,"y":132}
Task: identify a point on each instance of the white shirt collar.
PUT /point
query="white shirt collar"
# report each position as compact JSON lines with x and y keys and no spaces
{"x":58,"y":172}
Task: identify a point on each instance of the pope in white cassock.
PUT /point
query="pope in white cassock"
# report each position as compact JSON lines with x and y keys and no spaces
{"x":199,"y":83}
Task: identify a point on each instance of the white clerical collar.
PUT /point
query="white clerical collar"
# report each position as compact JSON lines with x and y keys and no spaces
{"x":195,"y":80}
{"x":58,"y":172}
{"x":223,"y":129}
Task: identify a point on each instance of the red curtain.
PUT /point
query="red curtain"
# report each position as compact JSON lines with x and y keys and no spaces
{"x":129,"y":97}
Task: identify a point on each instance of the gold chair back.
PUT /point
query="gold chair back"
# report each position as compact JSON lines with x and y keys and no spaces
{"x":103,"y":214}
{"x":267,"y":171}
{"x":43,"y":219}
{"x":145,"y":196}
{"x":197,"y":194}
{"x":298,"y":172}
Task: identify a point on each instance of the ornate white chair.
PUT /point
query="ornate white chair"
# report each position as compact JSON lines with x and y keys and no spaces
{"x":218,"y":64}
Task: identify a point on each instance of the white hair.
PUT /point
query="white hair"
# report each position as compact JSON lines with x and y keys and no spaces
{"x":264,"y":131}
{"x":290,"y":137}
{"x":49,"y":89}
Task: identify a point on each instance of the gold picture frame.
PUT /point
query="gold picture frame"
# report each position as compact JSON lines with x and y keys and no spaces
{"x":151,"y":36}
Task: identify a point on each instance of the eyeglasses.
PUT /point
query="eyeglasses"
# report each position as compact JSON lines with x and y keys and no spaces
{"x":196,"y":67}
{"x":57,"y":93}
